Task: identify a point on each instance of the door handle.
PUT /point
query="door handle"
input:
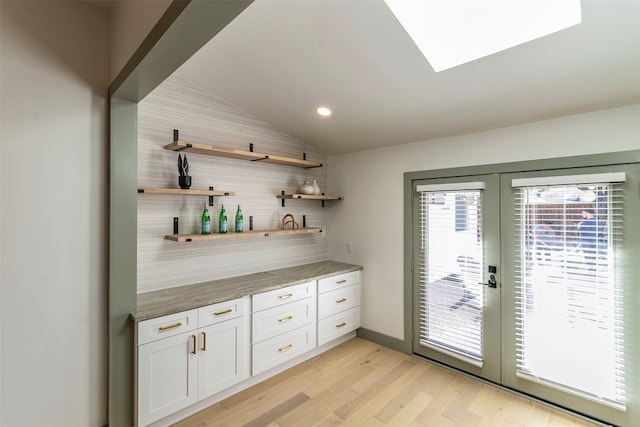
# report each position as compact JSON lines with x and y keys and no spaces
{"x":492,"y":283}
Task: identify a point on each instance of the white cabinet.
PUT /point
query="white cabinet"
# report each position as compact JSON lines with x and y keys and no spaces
{"x":338,"y":306}
{"x":223,"y":346}
{"x":167,"y":372}
{"x":188,"y":356}
{"x":283,"y":325}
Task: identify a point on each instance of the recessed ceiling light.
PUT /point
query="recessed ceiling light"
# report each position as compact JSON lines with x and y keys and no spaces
{"x":450,"y":33}
{"x":323,"y":111}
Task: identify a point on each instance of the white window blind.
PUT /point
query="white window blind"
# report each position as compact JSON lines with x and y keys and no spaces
{"x":452,"y":186}
{"x":451,"y":265}
{"x":569,"y":319}
{"x":607,"y":177}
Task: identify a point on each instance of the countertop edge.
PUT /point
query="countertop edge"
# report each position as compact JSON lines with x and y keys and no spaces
{"x":241,"y":286}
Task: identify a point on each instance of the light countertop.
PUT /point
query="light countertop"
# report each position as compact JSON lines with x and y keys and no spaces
{"x":174,"y":300}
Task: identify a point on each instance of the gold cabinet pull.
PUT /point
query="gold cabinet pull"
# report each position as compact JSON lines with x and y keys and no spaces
{"x":204,"y":341}
{"x":287,"y":348}
{"x":341,"y":281}
{"x":341,"y":300}
{"x":341,"y":325}
{"x":220,"y":313}
{"x":285,"y":319}
{"x":285,"y":296}
{"x":166,"y":328}
{"x":195,"y":346}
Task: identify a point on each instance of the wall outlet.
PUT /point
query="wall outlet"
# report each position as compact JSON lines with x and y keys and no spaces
{"x":349,"y":246}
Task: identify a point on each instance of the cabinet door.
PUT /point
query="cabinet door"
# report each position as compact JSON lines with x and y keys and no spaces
{"x":223,"y":356}
{"x":167,"y":375}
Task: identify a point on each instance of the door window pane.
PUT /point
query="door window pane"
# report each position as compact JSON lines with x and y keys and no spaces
{"x":451,"y":268}
{"x":569,"y":330}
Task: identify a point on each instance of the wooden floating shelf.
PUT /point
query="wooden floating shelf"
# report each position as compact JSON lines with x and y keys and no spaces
{"x":233,"y":235}
{"x":191,"y":147}
{"x":188,"y":192}
{"x":308,"y":196}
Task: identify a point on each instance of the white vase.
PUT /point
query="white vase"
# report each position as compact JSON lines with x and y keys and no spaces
{"x":306,"y":188}
{"x":316,"y":187}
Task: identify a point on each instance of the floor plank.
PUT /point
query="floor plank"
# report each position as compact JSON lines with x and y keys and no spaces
{"x":360,"y":383}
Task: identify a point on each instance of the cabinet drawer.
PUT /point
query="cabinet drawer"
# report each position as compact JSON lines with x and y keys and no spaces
{"x":278,"y":320}
{"x":281,"y":296}
{"x":222,"y":311}
{"x":282,"y":348}
{"x":339,"y":300}
{"x":167,"y":326}
{"x":339,"y":281}
{"x":337,"y":325}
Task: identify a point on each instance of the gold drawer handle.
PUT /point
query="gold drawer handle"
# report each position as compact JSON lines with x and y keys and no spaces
{"x":287,"y":348}
{"x":341,"y":325}
{"x":341,"y":300}
{"x":220,"y":313}
{"x":166,"y":328}
{"x":204,"y":341}
{"x":285,"y":319}
{"x":285,"y":296}
{"x":341,"y":281}
{"x":195,"y":349}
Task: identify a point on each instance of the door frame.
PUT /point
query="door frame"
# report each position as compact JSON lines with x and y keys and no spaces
{"x":548,"y":165}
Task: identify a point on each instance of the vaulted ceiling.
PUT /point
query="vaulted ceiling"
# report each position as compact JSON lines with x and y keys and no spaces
{"x":280,"y":59}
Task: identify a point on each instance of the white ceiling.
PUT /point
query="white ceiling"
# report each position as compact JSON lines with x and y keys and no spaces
{"x":280,"y":59}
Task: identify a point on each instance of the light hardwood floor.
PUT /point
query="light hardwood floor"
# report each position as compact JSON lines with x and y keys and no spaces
{"x":360,"y":383}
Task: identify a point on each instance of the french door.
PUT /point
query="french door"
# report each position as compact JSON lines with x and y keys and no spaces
{"x":529,"y":280}
{"x":456,"y":302}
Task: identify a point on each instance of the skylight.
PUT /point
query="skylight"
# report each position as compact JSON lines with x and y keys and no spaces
{"x":453,"y":32}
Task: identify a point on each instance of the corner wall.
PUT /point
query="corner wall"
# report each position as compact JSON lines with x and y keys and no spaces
{"x":372,"y":184}
{"x":54,"y":79}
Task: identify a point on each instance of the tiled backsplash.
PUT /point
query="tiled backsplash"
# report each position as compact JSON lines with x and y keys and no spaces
{"x":204,"y":118}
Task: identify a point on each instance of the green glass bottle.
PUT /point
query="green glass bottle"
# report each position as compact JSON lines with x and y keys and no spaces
{"x":239,"y":221}
{"x":206,"y":221}
{"x":222,"y":222}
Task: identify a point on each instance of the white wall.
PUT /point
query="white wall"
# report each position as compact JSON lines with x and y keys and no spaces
{"x":372,"y":184}
{"x":54,"y":79}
